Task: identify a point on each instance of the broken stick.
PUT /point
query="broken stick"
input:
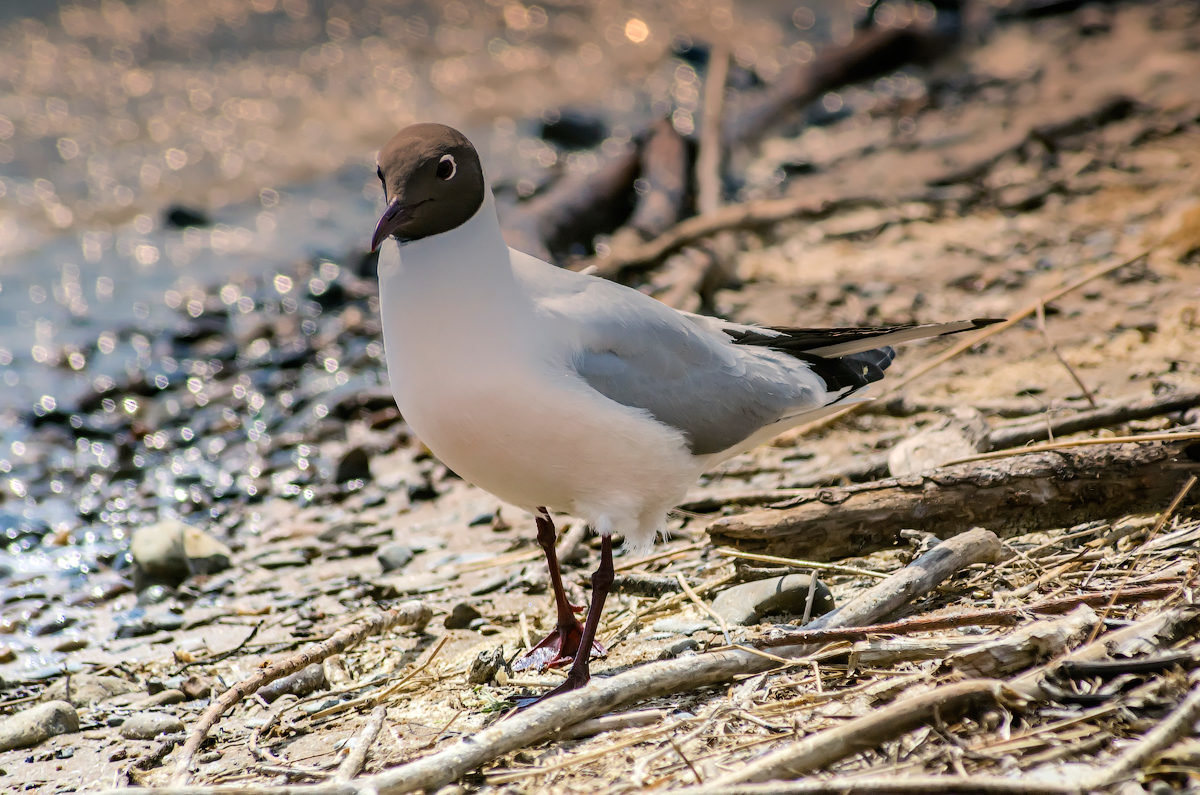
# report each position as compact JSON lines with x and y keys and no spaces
{"x":918,"y":577}
{"x":413,"y":614}
{"x":948,"y":702}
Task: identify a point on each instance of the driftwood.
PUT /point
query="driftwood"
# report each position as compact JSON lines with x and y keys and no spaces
{"x":357,"y":756}
{"x":871,"y":53}
{"x":695,"y":274}
{"x":664,"y":183}
{"x":746,"y":215}
{"x":575,"y":209}
{"x":603,"y":694}
{"x":871,"y":466}
{"x":413,"y":614}
{"x":918,"y":577}
{"x":1010,"y":496}
{"x":948,"y":702}
{"x":1026,"y":646}
{"x":1104,"y":417}
{"x":994,"y":617}
{"x":898,"y":785}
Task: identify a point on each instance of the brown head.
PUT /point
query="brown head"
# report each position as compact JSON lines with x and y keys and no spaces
{"x":432,"y":182}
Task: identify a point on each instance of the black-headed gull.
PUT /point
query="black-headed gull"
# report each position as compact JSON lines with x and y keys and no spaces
{"x":558,"y":391}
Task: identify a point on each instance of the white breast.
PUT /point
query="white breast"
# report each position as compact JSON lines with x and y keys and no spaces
{"x":488,"y":390}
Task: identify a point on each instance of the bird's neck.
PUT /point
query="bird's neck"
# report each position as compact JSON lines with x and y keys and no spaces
{"x":466,"y":264}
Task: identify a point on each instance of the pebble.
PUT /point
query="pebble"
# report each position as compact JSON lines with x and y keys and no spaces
{"x":355,"y":464}
{"x":962,"y":435}
{"x":394,"y":557}
{"x":29,"y":727}
{"x":83,"y":690}
{"x":148,"y":725}
{"x":678,"y":647}
{"x":284,"y":559}
{"x":747,"y":603}
{"x":180,"y":216}
{"x":485,"y":665}
{"x":170,"y":551}
{"x":302,"y":683}
{"x":682,"y":626}
{"x":68,"y":645}
{"x":491,"y":584}
{"x":196,"y":686}
{"x":163,"y":698}
{"x":461,"y":616}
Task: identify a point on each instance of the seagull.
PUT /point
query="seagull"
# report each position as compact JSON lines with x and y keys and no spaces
{"x":565,"y":392}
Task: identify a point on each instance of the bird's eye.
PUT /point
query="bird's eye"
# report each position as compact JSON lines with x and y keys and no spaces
{"x":446,"y":167}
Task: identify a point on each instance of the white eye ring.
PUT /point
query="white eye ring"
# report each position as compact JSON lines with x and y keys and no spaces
{"x":453,"y":167}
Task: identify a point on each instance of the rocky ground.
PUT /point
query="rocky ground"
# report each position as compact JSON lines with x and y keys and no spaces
{"x":299,"y":501}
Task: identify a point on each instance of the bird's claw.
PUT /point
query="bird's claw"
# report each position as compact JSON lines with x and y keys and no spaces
{"x":556,"y":649}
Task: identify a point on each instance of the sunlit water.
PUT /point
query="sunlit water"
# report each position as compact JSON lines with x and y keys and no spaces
{"x":264,"y":116}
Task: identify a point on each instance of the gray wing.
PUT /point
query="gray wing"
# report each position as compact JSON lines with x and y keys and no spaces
{"x":682,"y":369}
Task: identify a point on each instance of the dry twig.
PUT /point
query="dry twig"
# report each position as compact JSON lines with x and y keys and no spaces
{"x":352,"y":764}
{"x":410,"y":613}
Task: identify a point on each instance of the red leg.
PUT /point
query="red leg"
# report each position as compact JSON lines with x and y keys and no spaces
{"x":602,"y":581}
{"x":563,"y":644}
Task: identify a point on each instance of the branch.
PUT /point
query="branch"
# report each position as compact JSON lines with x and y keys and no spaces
{"x":948,"y":703}
{"x":1012,"y":496}
{"x":918,"y":577}
{"x":1105,"y":417}
{"x":973,"y":618}
{"x":410,"y":613}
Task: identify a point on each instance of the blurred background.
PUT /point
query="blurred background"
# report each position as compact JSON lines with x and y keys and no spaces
{"x":159,"y":144}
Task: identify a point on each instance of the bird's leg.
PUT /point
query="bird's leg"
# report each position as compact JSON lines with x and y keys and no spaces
{"x":563,"y":643}
{"x":602,"y":581}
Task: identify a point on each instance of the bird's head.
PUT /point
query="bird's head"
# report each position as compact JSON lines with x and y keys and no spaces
{"x":432,"y":182}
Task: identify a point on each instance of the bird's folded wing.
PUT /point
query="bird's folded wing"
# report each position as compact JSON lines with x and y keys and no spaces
{"x":683,"y":372}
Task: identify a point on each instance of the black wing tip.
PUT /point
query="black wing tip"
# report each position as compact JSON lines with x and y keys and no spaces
{"x":984,"y":322}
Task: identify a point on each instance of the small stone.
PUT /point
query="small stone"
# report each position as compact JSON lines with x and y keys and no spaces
{"x":335,"y":531}
{"x":282,"y":560}
{"x":355,"y":464}
{"x":461,"y":616}
{"x":162,"y":699}
{"x":83,"y":690}
{"x":302,"y":683}
{"x":171,"y":550}
{"x":155,"y":594}
{"x":394,"y":557}
{"x":29,"y":727}
{"x":68,"y":645}
{"x":52,"y":626}
{"x":682,"y":626}
{"x":180,"y":216}
{"x":490,"y":584}
{"x":747,"y":603}
{"x":203,"y":553}
{"x":196,"y":686}
{"x":148,"y":725}
{"x":961,"y":435}
{"x":678,"y":647}
{"x":485,"y":665}
{"x":7,"y":654}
